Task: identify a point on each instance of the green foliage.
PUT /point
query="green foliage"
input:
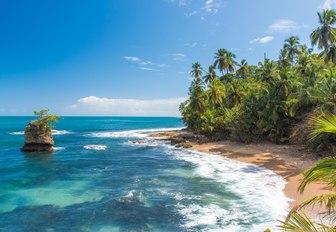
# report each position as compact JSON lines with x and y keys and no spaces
{"x":324,"y":171}
{"x":269,"y":101}
{"x":44,"y":119}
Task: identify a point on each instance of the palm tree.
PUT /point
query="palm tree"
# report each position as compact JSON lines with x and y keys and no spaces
{"x":216,"y":92}
{"x":196,"y":71}
{"x":325,"y":35}
{"x":292,"y":46}
{"x":224,"y":60}
{"x":211,"y":74}
{"x":243,"y":70}
{"x":323,"y":171}
{"x":283,"y":58}
{"x":268,"y":70}
{"x":331,"y":55}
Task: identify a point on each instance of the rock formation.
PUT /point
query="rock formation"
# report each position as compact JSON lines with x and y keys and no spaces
{"x":37,"y":138}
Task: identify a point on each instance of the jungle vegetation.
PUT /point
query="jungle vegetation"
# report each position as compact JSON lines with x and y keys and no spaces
{"x":273,"y":100}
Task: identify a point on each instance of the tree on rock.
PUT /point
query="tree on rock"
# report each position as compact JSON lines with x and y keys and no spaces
{"x":38,"y":133}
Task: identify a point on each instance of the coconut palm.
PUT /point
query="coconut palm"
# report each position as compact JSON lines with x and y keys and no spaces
{"x":224,"y":60}
{"x":292,"y":46}
{"x":216,"y":92}
{"x":331,"y":55}
{"x":325,"y":34}
{"x":196,"y":71}
{"x":284,"y":61}
{"x":211,"y":74}
{"x":243,"y":70}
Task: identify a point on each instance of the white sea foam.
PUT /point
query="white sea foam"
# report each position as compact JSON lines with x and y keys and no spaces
{"x":58,"y":148}
{"x":95,"y":147}
{"x":54,"y":132}
{"x":261,"y":200}
{"x":260,"y":191}
{"x":60,"y":132}
{"x":17,"y":133}
{"x":130,"y":133}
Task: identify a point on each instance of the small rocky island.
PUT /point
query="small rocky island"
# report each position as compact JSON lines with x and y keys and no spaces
{"x":38,"y":133}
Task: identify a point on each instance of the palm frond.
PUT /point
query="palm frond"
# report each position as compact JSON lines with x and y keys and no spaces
{"x":300,"y":222}
{"x":324,"y":201}
{"x":326,"y":123}
{"x":323,"y":171}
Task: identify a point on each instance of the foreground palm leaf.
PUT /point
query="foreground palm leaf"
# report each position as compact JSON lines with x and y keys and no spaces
{"x":325,"y":201}
{"x":300,"y":222}
{"x":323,"y":171}
{"x":323,"y":124}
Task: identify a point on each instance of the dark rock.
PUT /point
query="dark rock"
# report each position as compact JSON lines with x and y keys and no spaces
{"x":184,"y":145}
{"x":37,"y":138}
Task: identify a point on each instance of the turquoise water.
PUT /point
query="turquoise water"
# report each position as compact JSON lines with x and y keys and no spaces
{"x":98,"y":179}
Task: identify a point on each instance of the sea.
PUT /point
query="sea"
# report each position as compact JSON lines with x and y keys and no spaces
{"x":102,"y":178}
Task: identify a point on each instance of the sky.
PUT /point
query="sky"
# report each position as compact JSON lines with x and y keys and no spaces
{"x":132,"y":57}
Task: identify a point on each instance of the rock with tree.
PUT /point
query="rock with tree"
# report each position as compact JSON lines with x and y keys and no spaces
{"x":38,"y":133}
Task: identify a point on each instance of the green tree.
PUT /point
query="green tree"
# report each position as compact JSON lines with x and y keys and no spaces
{"x":224,"y":60}
{"x":323,"y":171}
{"x":325,"y":35}
{"x":292,"y":46}
{"x":211,"y":74}
{"x":44,"y":119}
{"x":216,"y":92}
{"x":196,"y":71}
{"x":244,"y":70}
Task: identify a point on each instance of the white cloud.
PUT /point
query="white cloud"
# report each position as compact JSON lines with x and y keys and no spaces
{"x":283,"y":26}
{"x":192,"y":45}
{"x":262,"y":40}
{"x":210,"y":6}
{"x":178,"y":56}
{"x":199,"y":7}
{"x":93,"y":105}
{"x":132,"y":59}
{"x":146,"y":63}
{"x":141,"y":62}
{"x":180,"y":2}
{"x":148,"y":69}
{"x":328,"y":4}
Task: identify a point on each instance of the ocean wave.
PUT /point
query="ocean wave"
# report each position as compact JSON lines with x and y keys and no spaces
{"x":259,"y":189}
{"x":58,"y":148}
{"x":60,"y":132}
{"x":54,"y":132}
{"x":17,"y":133}
{"x":130,"y":133}
{"x":95,"y":147}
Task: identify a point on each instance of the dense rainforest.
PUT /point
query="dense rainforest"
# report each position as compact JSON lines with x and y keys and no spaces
{"x":274,"y":100}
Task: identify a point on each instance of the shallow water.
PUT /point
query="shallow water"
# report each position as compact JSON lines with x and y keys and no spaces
{"x":99,"y":180}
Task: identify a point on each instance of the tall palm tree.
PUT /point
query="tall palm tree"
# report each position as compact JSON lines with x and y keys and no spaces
{"x":325,"y":34}
{"x":211,"y":74}
{"x":292,"y":46}
{"x":243,"y":70}
{"x":196,"y":71}
{"x":224,"y":60}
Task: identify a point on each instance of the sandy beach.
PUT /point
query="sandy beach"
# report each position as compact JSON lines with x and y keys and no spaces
{"x":288,"y":161}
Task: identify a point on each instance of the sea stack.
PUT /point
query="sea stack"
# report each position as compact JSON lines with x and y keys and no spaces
{"x":37,"y":138}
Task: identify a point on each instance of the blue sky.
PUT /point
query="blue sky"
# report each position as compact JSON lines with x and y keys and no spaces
{"x":131,"y":57}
